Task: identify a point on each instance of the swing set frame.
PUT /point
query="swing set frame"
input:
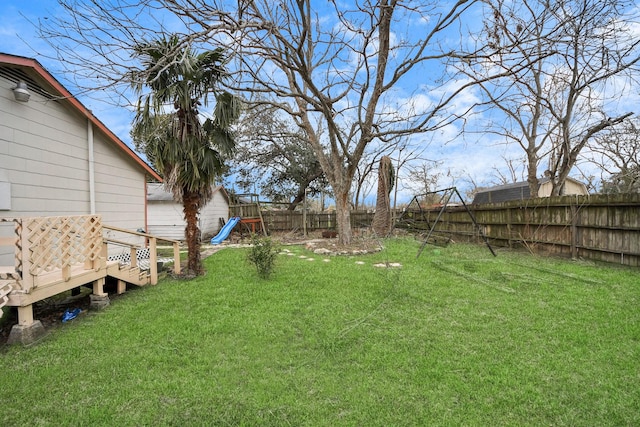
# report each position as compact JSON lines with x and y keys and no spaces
{"x":447,"y":194}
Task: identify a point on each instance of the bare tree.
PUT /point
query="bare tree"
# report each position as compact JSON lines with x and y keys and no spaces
{"x":338,"y":80}
{"x":408,"y":151}
{"x":617,"y":154}
{"x":512,"y":172}
{"x":562,"y":62}
{"x":362,"y":182}
{"x":335,"y":69}
{"x":426,"y":178}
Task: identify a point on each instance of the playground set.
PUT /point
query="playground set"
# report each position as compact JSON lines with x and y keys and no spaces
{"x":245,"y":214}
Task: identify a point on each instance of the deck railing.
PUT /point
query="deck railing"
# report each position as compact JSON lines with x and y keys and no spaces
{"x":149,"y":240}
{"x":51,"y":246}
{"x":54,"y":244}
{"x":57,"y":254}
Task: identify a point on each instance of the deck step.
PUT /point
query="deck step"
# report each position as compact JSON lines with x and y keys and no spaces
{"x":133,"y":275}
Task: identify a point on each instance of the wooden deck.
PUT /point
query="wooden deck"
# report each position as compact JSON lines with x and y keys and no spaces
{"x":57,"y":254}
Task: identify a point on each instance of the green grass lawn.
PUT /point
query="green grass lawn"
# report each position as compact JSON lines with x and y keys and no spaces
{"x":454,"y":337}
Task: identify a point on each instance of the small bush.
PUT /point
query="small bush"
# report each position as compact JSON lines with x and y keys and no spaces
{"x":262,"y":254}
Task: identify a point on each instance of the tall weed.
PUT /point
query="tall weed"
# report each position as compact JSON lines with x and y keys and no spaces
{"x":262,"y":255}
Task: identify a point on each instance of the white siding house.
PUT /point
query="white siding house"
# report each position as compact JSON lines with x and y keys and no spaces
{"x":166,"y":218}
{"x":58,"y":159}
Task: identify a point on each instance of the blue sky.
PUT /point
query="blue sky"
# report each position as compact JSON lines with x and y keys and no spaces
{"x":18,"y":36}
{"x":473,"y":156}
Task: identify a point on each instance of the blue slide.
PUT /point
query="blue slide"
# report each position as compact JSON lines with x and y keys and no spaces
{"x":225,"y":231}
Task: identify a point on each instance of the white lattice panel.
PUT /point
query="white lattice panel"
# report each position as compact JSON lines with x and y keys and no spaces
{"x":59,"y":242}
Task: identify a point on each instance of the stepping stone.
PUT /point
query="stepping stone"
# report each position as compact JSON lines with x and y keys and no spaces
{"x":387,"y":264}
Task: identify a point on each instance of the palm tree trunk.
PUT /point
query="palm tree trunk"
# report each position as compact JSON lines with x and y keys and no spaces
{"x":191,"y":209}
{"x":382,"y":218}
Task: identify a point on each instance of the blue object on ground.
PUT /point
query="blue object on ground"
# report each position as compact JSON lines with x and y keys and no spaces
{"x":70,"y":314}
{"x":225,"y":231}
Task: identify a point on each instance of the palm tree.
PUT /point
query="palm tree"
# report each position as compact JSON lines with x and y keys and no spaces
{"x":187,"y":152}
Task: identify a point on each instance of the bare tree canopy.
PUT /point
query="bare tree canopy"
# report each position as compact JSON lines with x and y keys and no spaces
{"x":272,"y":155}
{"x":337,"y":69}
{"x":617,"y":155}
{"x":565,"y":65}
{"x":336,"y":74}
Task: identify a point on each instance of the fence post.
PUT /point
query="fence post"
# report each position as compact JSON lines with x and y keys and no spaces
{"x":574,"y":230}
{"x":509,"y":228}
{"x":304,"y":214}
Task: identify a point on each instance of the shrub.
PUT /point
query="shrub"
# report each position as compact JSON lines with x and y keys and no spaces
{"x":262,"y":254}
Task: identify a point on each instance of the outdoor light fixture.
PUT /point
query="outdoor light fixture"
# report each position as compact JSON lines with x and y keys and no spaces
{"x":20,"y":92}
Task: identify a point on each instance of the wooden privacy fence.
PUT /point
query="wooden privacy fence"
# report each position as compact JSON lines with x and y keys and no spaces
{"x":294,"y":220}
{"x":597,"y":227}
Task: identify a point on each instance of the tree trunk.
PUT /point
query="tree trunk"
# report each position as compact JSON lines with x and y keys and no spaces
{"x":295,"y":202}
{"x":382,"y":217}
{"x":343,"y":216}
{"x":191,"y":209}
{"x":532,"y":174}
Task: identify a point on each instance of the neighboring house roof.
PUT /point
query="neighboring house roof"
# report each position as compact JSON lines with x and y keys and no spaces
{"x":157,"y":193}
{"x":505,"y":193}
{"x":18,"y":63}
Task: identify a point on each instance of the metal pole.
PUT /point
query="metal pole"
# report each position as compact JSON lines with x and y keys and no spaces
{"x":395,"y":189}
{"x":304,"y":213}
{"x":444,"y":206}
{"x":473,"y":218}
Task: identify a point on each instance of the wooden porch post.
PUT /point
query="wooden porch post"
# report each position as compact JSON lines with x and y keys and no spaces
{"x":98,"y":287}
{"x":153,"y":260}
{"x":176,"y":258}
{"x":25,"y":315}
